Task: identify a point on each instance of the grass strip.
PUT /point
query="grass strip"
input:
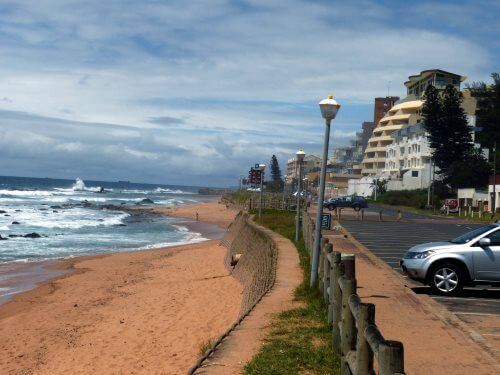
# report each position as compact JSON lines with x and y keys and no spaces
{"x":300,"y":339}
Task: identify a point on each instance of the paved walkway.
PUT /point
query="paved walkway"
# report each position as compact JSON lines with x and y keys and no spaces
{"x":244,"y":342}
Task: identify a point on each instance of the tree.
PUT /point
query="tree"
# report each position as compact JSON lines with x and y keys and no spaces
{"x":432,"y":112}
{"x":276,"y":182}
{"x":449,"y":133}
{"x":471,"y":171}
{"x":488,"y":112}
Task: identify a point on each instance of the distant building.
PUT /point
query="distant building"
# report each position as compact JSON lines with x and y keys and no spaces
{"x":382,"y":106}
{"x":310,"y":163}
{"x":405,"y":113}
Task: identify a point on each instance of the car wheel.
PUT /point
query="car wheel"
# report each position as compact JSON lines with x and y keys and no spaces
{"x":331,"y":207}
{"x":356,"y":207}
{"x":447,"y":279}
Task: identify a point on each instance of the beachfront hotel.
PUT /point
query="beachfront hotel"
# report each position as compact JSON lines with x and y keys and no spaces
{"x":404,"y":113}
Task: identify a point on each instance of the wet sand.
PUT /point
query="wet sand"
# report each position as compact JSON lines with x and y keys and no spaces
{"x":132,"y":312}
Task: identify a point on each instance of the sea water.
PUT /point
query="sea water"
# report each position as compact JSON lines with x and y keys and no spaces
{"x":43,"y":219}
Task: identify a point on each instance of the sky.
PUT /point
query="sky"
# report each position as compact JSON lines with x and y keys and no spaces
{"x":196,"y":92}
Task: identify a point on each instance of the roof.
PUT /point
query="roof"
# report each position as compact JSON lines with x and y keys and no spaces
{"x":425,"y":73}
{"x":412,"y":104}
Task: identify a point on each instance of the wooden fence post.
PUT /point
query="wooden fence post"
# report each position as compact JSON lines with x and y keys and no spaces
{"x":326,"y":272}
{"x":364,"y":354}
{"x":380,"y":215}
{"x":322,"y":255}
{"x":348,"y":324}
{"x":336,"y":300}
{"x":348,"y":266}
{"x":391,"y":358}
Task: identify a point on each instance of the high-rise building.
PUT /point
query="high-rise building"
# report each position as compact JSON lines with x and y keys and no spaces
{"x":382,"y":106}
{"x":406,"y":112}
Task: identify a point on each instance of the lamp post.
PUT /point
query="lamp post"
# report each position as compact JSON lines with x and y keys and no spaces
{"x":262,"y":168}
{"x":329,"y":108}
{"x":299,"y":158}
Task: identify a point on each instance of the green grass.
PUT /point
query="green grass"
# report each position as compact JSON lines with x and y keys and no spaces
{"x":300,"y":339}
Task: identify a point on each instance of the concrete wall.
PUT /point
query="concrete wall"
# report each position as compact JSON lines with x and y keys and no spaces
{"x":256,"y":269}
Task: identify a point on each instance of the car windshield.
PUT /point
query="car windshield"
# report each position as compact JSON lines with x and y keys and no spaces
{"x":464,"y":238}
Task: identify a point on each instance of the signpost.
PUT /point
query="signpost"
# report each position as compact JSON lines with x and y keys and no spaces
{"x":326,"y":221}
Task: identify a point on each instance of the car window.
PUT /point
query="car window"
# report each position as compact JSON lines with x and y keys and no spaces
{"x":469,"y":236}
{"x":494,"y":238}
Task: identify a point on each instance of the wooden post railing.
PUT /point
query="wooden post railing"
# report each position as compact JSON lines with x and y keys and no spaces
{"x":356,"y":338}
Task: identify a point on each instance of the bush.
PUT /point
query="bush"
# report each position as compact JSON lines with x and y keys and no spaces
{"x":416,"y":198}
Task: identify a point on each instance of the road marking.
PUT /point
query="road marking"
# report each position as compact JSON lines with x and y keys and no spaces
{"x":467,"y":299}
{"x":470,"y":313}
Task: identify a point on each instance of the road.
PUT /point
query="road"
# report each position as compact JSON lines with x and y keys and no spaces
{"x":389,"y":240}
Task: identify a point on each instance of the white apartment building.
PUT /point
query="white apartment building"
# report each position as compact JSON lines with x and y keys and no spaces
{"x":408,"y":159}
{"x":406,"y":113}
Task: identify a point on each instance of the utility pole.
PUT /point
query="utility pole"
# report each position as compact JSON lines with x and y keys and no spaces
{"x":429,"y":187}
{"x":494,"y":200}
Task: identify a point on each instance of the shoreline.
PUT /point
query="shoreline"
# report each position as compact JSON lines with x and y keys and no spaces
{"x":123,"y":311}
{"x":18,"y":277}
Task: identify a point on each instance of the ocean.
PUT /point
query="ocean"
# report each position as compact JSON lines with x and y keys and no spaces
{"x":42,"y":219}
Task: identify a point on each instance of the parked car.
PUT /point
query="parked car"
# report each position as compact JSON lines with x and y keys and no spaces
{"x":470,"y":259}
{"x":349,"y":201}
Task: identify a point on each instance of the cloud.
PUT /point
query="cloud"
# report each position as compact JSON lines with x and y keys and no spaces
{"x":212,"y":77}
{"x":166,"y":120}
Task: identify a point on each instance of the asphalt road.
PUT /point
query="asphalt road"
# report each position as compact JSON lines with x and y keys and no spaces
{"x":389,"y":240}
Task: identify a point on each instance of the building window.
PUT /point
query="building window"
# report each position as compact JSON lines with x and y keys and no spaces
{"x":414,"y":173}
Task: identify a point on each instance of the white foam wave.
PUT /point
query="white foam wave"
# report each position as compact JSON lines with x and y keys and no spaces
{"x":170,"y":191}
{"x":79,"y":185}
{"x":70,"y":219}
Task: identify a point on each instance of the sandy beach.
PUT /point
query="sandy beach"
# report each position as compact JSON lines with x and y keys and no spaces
{"x":135,"y":312}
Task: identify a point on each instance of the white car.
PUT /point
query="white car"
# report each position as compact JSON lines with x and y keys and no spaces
{"x":472,"y":258}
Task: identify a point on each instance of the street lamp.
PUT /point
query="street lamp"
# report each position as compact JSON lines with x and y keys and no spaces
{"x":329,"y":108}
{"x":262,"y":168}
{"x":299,"y":157}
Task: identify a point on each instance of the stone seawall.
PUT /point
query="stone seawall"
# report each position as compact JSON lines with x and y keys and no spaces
{"x":256,"y":269}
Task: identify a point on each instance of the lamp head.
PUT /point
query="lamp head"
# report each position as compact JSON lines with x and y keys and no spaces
{"x":300,"y":155}
{"x":262,"y":167}
{"x":329,"y":108}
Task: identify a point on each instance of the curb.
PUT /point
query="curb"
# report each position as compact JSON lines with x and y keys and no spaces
{"x":445,"y":315}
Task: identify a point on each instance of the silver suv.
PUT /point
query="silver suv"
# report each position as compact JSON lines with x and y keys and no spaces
{"x":472,"y":258}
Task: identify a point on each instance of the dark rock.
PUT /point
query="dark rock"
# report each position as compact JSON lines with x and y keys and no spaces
{"x":32,"y":235}
{"x":3,"y":238}
{"x":146,"y":201}
{"x":16,"y":223}
{"x":3,"y":212}
{"x":56,"y":207}
{"x":55,"y":211}
{"x":6,"y":215}
{"x":18,"y":210}
{"x":14,"y":235}
{"x":120,"y":225}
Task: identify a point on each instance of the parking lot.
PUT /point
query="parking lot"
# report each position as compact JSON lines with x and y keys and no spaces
{"x":389,"y":240}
